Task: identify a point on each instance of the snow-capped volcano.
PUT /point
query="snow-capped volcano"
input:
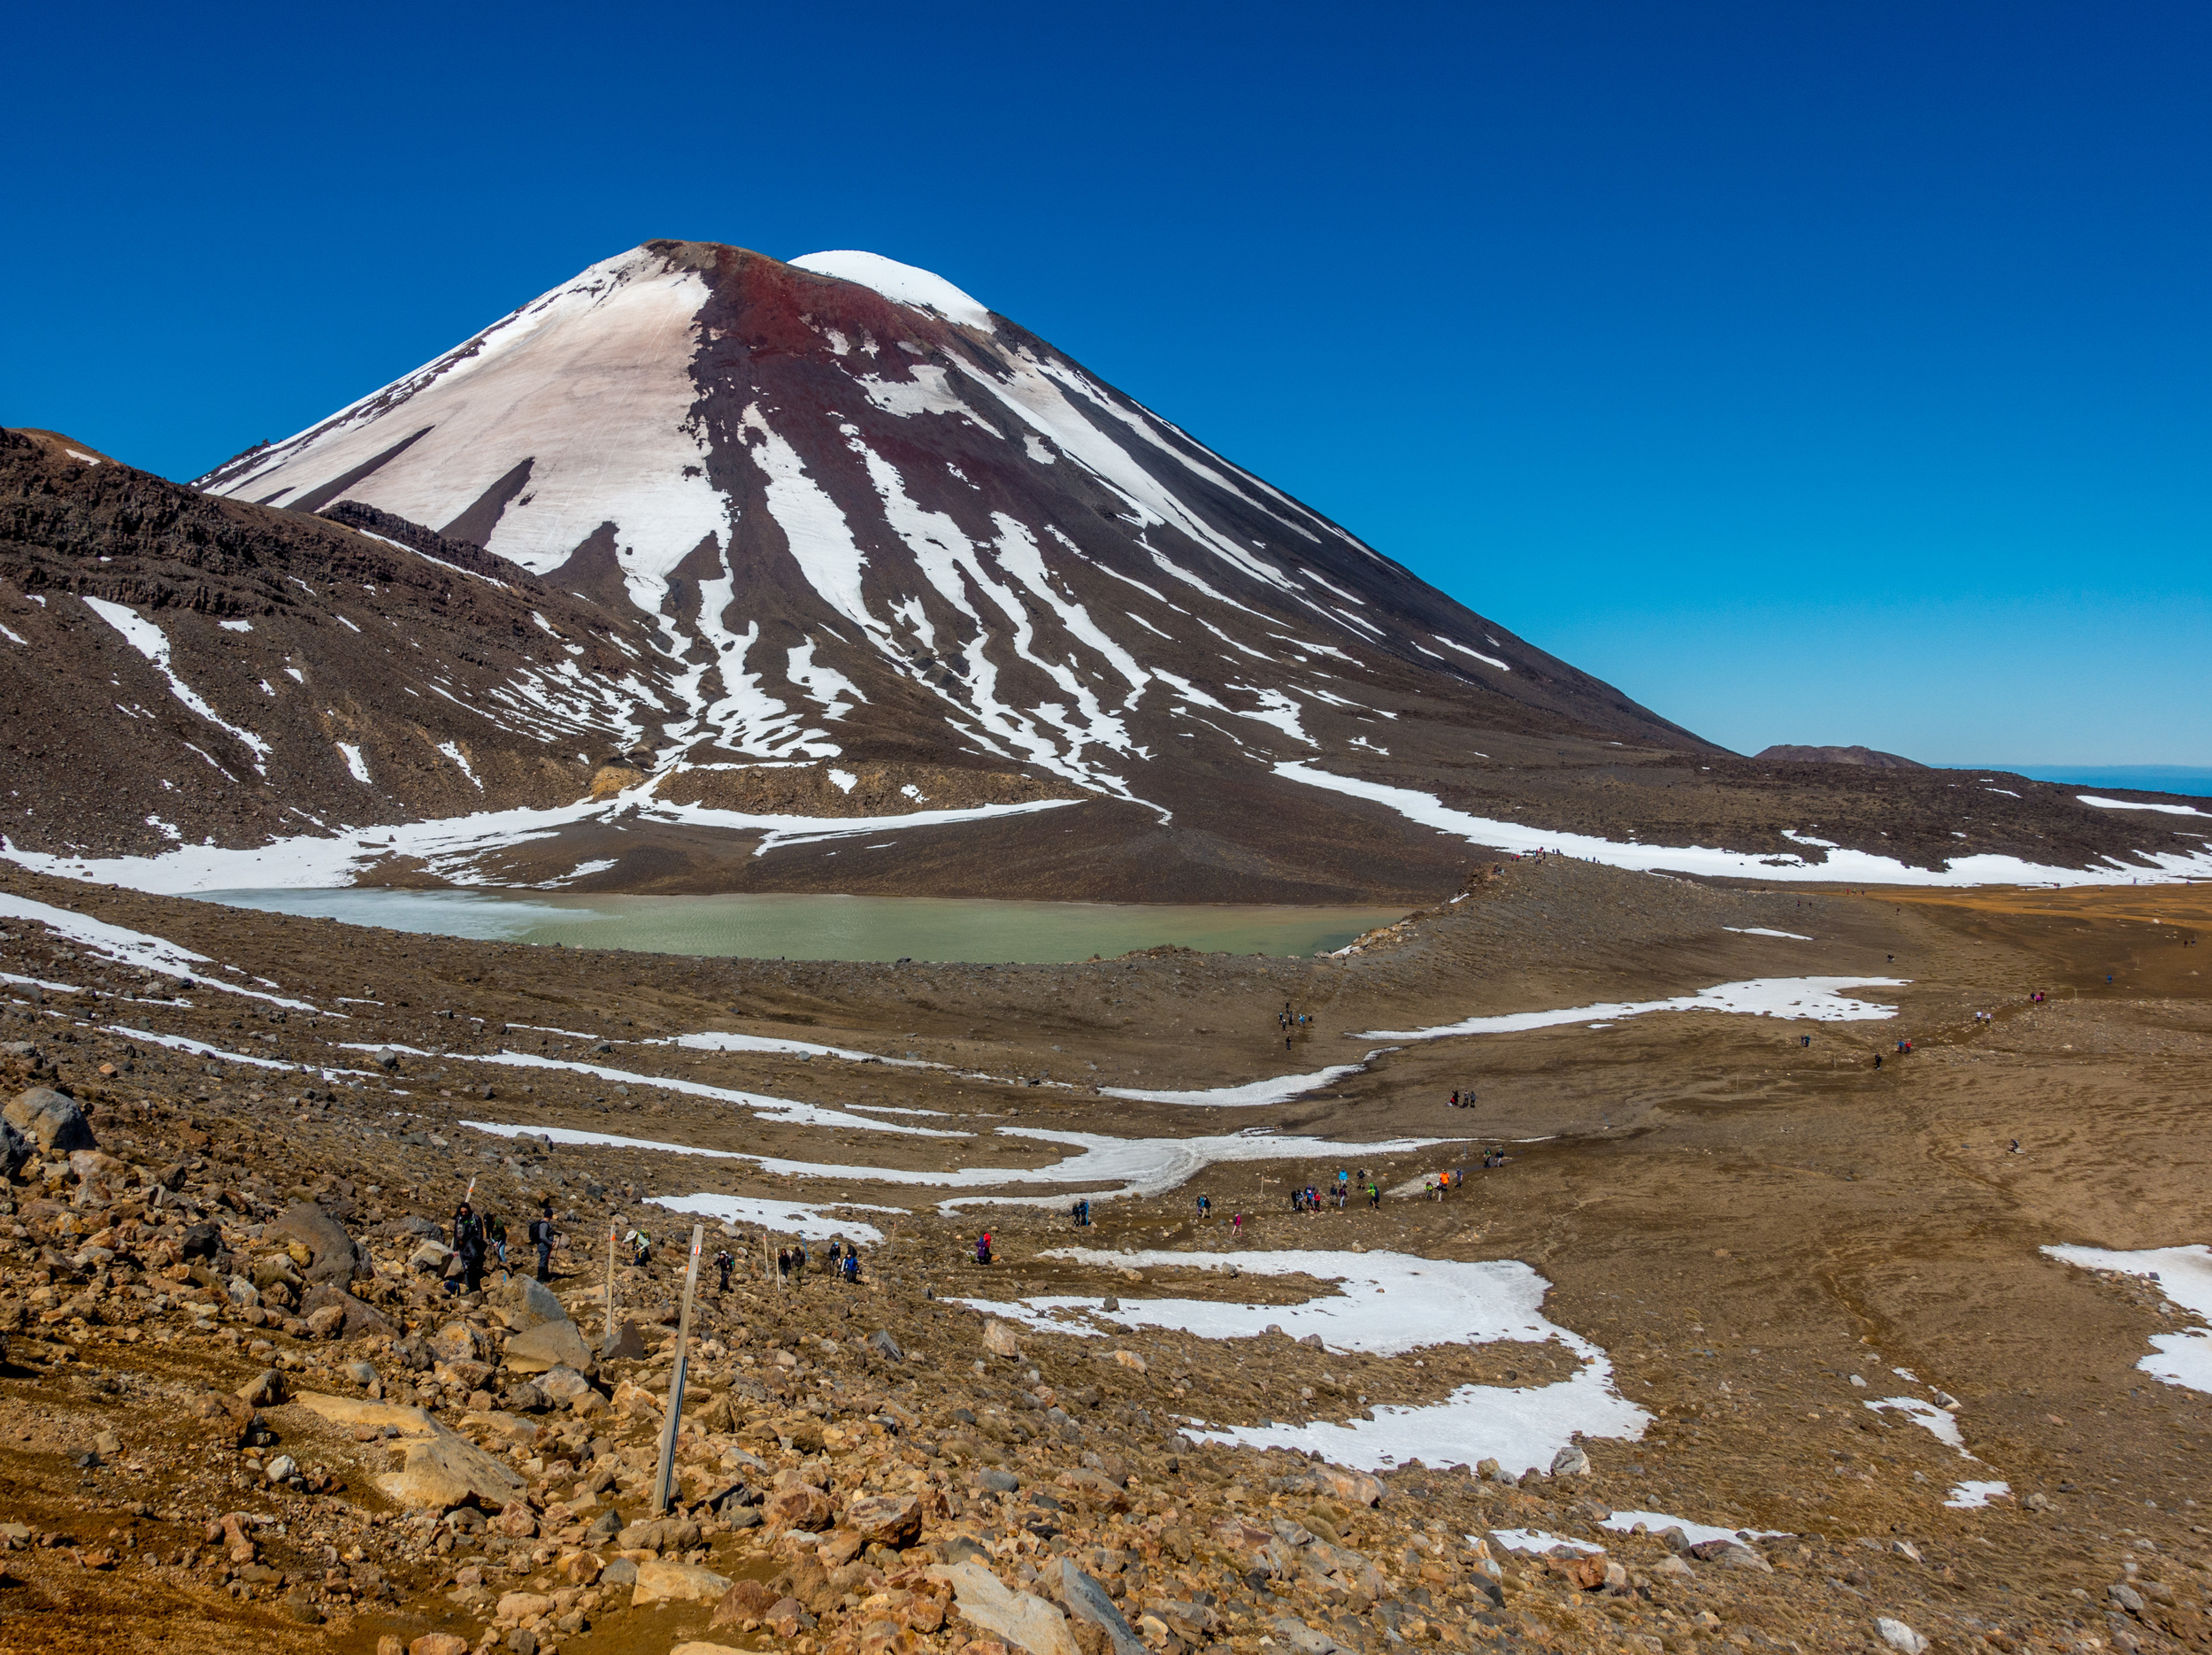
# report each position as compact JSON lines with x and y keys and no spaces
{"x":709,"y":572}
{"x":865,"y":517}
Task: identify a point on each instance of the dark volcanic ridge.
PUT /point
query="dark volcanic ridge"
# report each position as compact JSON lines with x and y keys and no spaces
{"x":1866,"y":757}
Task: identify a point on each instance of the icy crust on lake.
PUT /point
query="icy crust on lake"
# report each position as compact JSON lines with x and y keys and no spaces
{"x":1841,"y":867}
{"x":1386,"y":1304}
{"x":2184,"y":1276}
{"x":901,"y":284}
{"x":1790,"y":998}
{"x":809,"y":1221}
{"x":449,"y":846}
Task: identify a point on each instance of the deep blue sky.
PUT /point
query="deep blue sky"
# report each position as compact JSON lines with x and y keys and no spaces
{"x":1817,"y":373}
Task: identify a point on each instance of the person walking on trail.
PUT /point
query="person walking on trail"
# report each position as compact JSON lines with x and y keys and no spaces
{"x":798,"y":1262}
{"x":496,"y":1234}
{"x":468,"y":1241}
{"x":783,"y":1265}
{"x":1374,"y":1197}
{"x":641,"y":1247}
{"x":1205,"y":1207}
{"x":852,"y":1267}
{"x":722,"y":1263}
{"x":1236,"y":1226}
{"x":541,"y":1238}
{"x":983,"y":1248}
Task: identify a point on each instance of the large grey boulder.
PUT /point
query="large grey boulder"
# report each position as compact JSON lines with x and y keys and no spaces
{"x":333,"y":1254}
{"x":1088,"y":1600}
{"x":360,"y":1318}
{"x":1021,"y":1618}
{"x":547,"y":1346}
{"x":53,"y":1123}
{"x":526,"y":1302}
{"x":438,"y":1469}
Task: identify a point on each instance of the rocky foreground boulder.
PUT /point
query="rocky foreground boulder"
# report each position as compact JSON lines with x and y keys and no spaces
{"x":51,"y":1121}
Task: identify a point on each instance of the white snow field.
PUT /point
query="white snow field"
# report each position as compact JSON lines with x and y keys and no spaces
{"x":1659,"y":1522}
{"x":140,"y":949}
{"x":809,"y":1221}
{"x":726,"y":1040}
{"x":1788,"y":997}
{"x":1931,"y":1419}
{"x":151,"y":642}
{"x":1276,"y":1090}
{"x":450,"y":845}
{"x":1109,"y":1166}
{"x":2184,"y":1276}
{"x":902,"y":284}
{"x":1840,"y":868}
{"x":1538,"y":1543}
{"x":591,"y":381}
{"x":1972,"y":1497}
{"x":1388,"y":1304}
{"x":2139,"y":805}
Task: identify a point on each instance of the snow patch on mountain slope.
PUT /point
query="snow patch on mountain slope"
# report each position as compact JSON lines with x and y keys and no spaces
{"x":1841,"y":867}
{"x":820,"y":540}
{"x":901,"y":284}
{"x":451,"y":847}
{"x":1488,"y":660}
{"x":590,"y":381}
{"x":1788,"y":997}
{"x":2097,"y":803}
{"x":151,"y":642}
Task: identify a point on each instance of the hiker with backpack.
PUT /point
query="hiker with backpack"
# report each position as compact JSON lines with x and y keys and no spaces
{"x":541,"y":1238}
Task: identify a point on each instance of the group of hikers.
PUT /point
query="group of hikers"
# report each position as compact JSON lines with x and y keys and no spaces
{"x":1289,"y":1023}
{"x":842,"y":1262}
{"x":791,"y":1262}
{"x":479,"y":1238}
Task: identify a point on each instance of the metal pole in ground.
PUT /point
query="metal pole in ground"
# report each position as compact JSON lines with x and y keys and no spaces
{"x":607,"y":1343}
{"x":667,"y":1472}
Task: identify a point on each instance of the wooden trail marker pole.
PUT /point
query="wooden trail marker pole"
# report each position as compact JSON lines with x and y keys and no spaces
{"x":667,"y":1472}
{"x":607,"y":1343}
